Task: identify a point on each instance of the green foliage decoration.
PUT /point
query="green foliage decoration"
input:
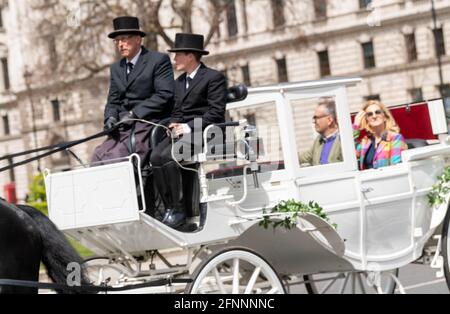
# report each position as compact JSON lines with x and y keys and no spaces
{"x":292,"y":209}
{"x":440,"y":190}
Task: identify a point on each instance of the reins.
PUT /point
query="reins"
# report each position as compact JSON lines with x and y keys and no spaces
{"x":52,"y":150}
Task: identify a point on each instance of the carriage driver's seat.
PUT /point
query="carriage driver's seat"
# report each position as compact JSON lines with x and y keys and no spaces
{"x":191,"y":188}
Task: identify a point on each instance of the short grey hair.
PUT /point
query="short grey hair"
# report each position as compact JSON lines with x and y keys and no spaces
{"x":330,"y":106}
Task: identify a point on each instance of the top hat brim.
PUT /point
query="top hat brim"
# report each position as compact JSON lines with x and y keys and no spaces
{"x":203,"y":52}
{"x":126,"y":31}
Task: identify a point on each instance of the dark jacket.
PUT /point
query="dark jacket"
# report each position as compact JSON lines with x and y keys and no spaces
{"x":205,"y":98}
{"x":149,"y":90}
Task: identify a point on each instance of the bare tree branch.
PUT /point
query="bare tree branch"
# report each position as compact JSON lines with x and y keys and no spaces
{"x":73,"y":40}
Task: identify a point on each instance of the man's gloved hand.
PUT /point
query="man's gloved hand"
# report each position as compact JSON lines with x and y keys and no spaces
{"x":126,"y":122}
{"x":110,"y":123}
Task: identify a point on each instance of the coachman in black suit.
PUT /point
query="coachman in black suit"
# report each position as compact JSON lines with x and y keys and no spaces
{"x":200,"y":100}
{"x":141,"y":87}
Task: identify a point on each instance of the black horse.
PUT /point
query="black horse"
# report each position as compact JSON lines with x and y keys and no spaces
{"x":28,"y":237}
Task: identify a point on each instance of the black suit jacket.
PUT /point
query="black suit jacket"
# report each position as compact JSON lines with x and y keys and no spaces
{"x":205,"y":98}
{"x":149,"y":90}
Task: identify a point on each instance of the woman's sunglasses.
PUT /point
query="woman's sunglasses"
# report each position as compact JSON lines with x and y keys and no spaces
{"x":372,"y":113}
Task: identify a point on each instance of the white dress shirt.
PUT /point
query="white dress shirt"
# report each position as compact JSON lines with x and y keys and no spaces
{"x":192,"y":75}
{"x":134,"y":60}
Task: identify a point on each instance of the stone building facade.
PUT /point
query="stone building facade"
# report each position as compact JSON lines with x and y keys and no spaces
{"x":391,"y":44}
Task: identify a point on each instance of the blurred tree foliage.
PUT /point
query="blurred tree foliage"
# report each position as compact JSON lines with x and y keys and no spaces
{"x":37,"y":196}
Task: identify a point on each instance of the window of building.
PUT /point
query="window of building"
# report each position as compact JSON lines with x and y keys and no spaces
{"x":416,"y":94}
{"x":6,"y":82}
{"x":56,"y":110}
{"x":445,"y":90}
{"x":369,"y":55}
{"x":324,"y":63}
{"x":372,"y":97}
{"x":6,"y":130}
{"x":246,"y":75}
{"x":231,"y":18}
{"x":363,"y":4}
{"x":411,"y":50}
{"x":282,"y":70}
{"x":320,"y":8}
{"x":60,"y":159}
{"x":278,"y":13}
{"x":439,"y":41}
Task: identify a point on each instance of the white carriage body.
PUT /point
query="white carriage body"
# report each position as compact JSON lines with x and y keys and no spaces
{"x":382,"y":215}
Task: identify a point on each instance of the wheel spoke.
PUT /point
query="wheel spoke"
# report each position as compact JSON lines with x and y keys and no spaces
{"x":219,"y":280}
{"x":361,"y":284}
{"x":353,"y":283}
{"x":245,"y":272}
{"x":100,"y":276}
{"x":329,"y":285}
{"x":235,"y":276}
{"x":252,"y":280}
{"x":344,"y":283}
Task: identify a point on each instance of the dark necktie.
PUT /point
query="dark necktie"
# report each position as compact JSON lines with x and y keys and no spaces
{"x":189,"y":80}
{"x":129,"y":68}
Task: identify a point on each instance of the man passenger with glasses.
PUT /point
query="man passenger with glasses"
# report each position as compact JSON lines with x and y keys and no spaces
{"x":327,"y":146}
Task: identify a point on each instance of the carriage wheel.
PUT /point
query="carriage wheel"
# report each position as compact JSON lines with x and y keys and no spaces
{"x":446,"y":247}
{"x":351,"y":283}
{"x":236,"y":271}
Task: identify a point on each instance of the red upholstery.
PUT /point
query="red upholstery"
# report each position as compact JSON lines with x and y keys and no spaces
{"x":415,"y":122}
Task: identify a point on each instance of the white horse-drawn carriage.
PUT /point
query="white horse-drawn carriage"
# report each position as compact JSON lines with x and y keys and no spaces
{"x":383,"y":217}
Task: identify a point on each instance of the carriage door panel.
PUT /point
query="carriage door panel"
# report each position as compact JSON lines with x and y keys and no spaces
{"x":338,"y":195}
{"x":334,"y":185}
{"x":387,"y":212}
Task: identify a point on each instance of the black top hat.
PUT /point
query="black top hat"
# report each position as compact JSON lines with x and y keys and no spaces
{"x":126,"y":25}
{"x":188,"y":42}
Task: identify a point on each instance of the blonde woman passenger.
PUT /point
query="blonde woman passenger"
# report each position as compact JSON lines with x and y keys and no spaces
{"x":383,"y":144}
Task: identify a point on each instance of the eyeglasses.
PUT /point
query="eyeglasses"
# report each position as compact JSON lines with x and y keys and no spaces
{"x":122,"y":38}
{"x":373,"y":113}
{"x":319,"y":117}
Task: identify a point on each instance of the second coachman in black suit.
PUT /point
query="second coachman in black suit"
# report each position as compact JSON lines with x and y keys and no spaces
{"x":200,"y":100}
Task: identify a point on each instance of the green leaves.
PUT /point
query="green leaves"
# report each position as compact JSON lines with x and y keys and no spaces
{"x":292,"y":208}
{"x":440,"y":190}
{"x":36,"y":196}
